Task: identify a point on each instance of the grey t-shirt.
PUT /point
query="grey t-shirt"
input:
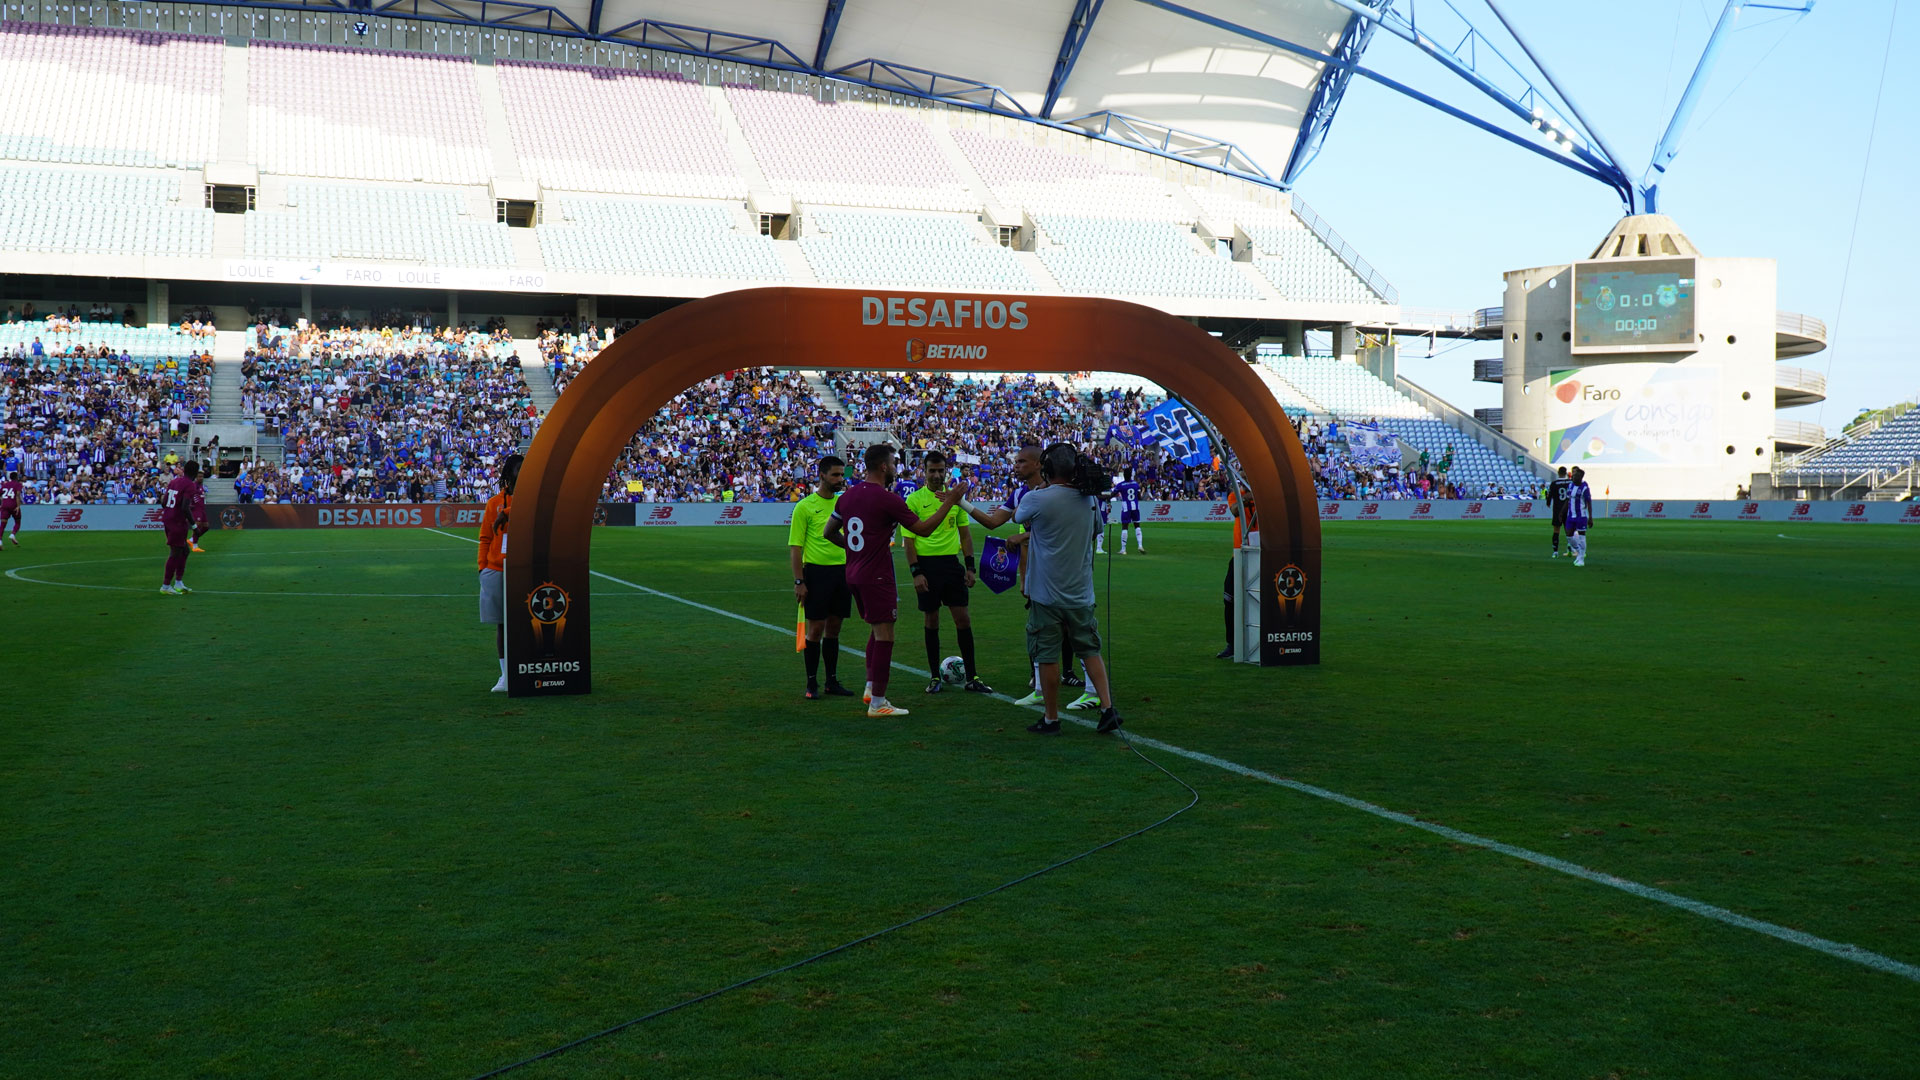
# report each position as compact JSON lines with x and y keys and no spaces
{"x":1060,"y":555}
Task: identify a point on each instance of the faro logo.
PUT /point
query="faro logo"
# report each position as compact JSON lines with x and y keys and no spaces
{"x":67,"y":517}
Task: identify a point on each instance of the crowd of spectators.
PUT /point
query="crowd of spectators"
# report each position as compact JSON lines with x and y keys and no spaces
{"x":378,"y":413}
{"x":90,"y":430}
{"x":746,"y":436}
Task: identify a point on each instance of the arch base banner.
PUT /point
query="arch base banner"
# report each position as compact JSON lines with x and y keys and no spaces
{"x":548,"y":582}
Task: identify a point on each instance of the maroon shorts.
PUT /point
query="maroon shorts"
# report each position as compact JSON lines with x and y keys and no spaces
{"x":178,"y":535}
{"x":10,"y":513}
{"x":877,"y":603}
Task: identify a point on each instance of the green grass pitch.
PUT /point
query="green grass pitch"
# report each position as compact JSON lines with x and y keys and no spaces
{"x":280,"y":828}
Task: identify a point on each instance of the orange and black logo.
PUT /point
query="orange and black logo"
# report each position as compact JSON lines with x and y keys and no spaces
{"x":916,"y":351}
{"x":1290,"y":583}
{"x":233,"y":518}
{"x":547,"y":604}
{"x":600,"y":514}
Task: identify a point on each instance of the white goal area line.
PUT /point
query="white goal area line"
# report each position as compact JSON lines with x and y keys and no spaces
{"x":1842,"y":950}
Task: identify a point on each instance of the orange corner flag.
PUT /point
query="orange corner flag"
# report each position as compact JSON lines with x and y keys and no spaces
{"x":800,"y":630}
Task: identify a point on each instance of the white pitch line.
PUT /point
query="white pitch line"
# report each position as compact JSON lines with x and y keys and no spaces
{"x":1645,"y":892}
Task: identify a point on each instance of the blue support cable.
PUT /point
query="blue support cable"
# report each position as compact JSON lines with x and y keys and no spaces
{"x":1079,"y":27}
{"x":829,"y":24}
{"x":1669,"y":145}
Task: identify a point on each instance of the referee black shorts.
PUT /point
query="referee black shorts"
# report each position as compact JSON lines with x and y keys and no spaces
{"x":946,"y":582}
{"x":827,"y":594}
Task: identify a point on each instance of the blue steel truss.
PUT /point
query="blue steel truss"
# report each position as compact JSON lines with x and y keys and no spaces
{"x":932,"y":85}
{"x":829,"y":25}
{"x":1326,"y":95}
{"x":1079,"y":27}
{"x":1169,"y":141}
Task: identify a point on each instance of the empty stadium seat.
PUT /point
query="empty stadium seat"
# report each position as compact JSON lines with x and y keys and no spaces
{"x":393,"y":224}
{"x":654,"y":238}
{"x":629,"y":132}
{"x":102,"y":213}
{"x":846,"y":154}
{"x":108,"y":97}
{"x":1119,"y":256}
{"x":854,"y":247}
{"x":321,"y":110}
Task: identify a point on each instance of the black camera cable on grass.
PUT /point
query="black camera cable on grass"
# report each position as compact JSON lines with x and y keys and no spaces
{"x":844,"y":946}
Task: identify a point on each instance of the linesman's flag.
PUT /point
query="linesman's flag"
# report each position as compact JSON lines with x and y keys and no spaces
{"x":800,"y":630}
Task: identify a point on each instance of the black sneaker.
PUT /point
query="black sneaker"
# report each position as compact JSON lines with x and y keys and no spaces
{"x":1041,"y":727}
{"x":834,"y":689}
{"x":974,"y":685}
{"x":936,"y":685}
{"x":1109,"y":721}
{"x":813,"y":692}
{"x":1223,"y":654}
{"x":1074,"y":681}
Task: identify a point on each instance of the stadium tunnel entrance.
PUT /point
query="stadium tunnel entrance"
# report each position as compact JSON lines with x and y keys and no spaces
{"x":548,"y":580}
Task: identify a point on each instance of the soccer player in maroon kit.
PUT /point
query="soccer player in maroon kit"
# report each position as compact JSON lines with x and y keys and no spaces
{"x":863,"y":522}
{"x":10,"y":500}
{"x":183,"y":512}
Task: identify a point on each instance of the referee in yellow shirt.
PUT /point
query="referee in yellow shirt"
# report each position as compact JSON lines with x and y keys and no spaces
{"x":820,"y":577}
{"x":939,"y":577}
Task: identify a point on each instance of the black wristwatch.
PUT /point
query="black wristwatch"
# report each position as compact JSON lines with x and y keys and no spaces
{"x":913,"y":570}
{"x":799,"y":581}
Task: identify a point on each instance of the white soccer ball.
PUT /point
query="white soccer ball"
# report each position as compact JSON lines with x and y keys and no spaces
{"x":953,"y":670}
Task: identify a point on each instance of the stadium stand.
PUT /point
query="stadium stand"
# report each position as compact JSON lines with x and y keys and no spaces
{"x":624,"y":132}
{"x":321,"y":110}
{"x":388,"y":224}
{"x":1117,"y":256}
{"x":365,"y":413}
{"x":90,"y":430}
{"x":1301,"y":267}
{"x":1042,"y":180}
{"x":910,"y":250}
{"x":751,"y":437}
{"x":1893,"y":445}
{"x":107,"y":213}
{"x":655,"y":238}
{"x":67,"y":336}
{"x":846,"y":154}
{"x":108,"y":97}
{"x":1344,"y":391}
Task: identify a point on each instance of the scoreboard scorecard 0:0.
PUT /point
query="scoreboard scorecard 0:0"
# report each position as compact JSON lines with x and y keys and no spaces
{"x":1633,"y":305}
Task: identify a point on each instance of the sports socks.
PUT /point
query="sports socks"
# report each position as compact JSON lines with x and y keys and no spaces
{"x":879,"y":663}
{"x":933,"y":650}
{"x":1139,"y":540}
{"x":966,"y":648}
{"x":813,"y":661}
{"x":830,"y":651}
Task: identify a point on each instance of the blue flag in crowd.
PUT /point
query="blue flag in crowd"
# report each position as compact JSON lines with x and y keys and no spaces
{"x":1172,"y":428}
{"x":999,"y":565}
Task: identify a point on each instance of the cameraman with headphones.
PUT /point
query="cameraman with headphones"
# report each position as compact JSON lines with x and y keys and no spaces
{"x":1061,"y":521}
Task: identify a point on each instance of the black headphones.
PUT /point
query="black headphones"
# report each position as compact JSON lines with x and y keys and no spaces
{"x":1059,"y":460}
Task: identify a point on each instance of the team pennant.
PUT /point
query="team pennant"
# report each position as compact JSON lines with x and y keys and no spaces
{"x":999,"y":565}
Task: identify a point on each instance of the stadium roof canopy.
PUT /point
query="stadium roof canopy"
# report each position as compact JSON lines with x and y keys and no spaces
{"x":1241,"y":83}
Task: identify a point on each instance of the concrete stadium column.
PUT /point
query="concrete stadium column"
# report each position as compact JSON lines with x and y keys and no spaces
{"x":1343,"y":342}
{"x":156,"y":303}
{"x":453,"y":307}
{"x":306,"y":302}
{"x":1296,"y":338}
{"x":586,"y":309}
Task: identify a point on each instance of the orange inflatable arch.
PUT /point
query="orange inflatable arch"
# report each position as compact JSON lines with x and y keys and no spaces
{"x":549,"y":589}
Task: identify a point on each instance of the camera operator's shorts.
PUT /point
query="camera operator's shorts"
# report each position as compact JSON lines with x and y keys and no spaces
{"x":493,"y":597}
{"x":827,"y":595}
{"x":1050,"y":627}
{"x":946,"y":583}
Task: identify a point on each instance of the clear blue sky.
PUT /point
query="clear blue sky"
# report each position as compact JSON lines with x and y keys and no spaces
{"x":1771,"y":167}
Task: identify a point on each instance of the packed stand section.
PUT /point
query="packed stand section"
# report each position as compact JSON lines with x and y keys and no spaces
{"x":100,"y":213}
{"x":628,"y":132}
{"x":89,"y":427}
{"x":746,"y":436}
{"x":89,"y":96}
{"x":386,"y":224}
{"x":847,"y":154}
{"x":367,"y":414}
{"x":364,"y":114}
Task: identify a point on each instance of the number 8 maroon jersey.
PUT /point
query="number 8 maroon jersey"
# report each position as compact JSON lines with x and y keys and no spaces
{"x":869,"y":513}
